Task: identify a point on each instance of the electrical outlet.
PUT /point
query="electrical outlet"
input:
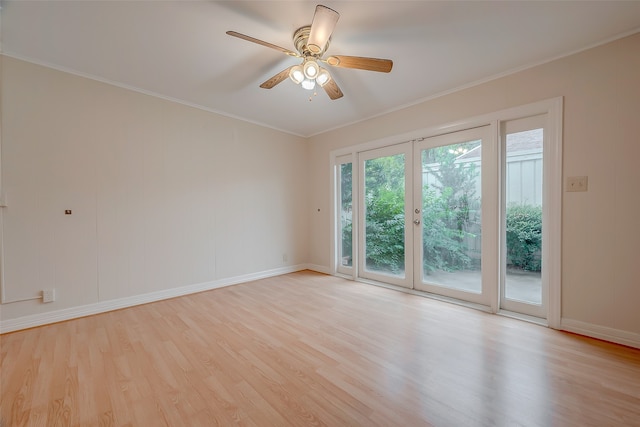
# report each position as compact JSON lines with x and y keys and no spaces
{"x":48,"y":295}
{"x":577,"y":183}
{"x":285,"y":257}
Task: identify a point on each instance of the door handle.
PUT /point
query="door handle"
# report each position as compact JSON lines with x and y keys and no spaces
{"x":416,"y":221}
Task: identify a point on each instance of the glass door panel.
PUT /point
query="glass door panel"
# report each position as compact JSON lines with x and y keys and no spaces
{"x":385,"y":238}
{"x":345,"y":216}
{"x":522,"y":288}
{"x":449,"y":204}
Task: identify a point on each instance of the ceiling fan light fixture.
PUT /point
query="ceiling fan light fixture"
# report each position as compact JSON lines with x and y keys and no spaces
{"x":308,"y":84}
{"x":296,"y":74}
{"x":310,"y":68}
{"x":323,"y":77}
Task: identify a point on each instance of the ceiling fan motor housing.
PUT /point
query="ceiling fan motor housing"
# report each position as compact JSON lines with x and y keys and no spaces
{"x":300,"y":39}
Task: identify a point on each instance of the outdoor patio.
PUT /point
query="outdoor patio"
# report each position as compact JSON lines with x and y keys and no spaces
{"x":520,"y":285}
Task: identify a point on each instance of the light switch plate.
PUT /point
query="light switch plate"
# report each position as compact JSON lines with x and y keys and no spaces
{"x":577,"y":183}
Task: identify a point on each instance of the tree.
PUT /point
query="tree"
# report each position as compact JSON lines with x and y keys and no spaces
{"x":451,"y":209}
{"x":385,"y":218}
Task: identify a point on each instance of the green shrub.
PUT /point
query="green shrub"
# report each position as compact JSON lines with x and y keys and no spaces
{"x":347,"y":245}
{"x":524,"y":237}
{"x":444,"y":230}
{"x":385,"y":230}
{"x":450,"y":212}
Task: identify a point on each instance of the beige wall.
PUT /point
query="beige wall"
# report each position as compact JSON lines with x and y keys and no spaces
{"x":162,"y":195}
{"x":601,"y":228}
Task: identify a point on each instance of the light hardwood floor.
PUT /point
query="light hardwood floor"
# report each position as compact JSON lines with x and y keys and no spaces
{"x":310,"y":349}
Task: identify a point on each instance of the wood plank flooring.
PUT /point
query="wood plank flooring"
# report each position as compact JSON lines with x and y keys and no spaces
{"x":306,"y":349}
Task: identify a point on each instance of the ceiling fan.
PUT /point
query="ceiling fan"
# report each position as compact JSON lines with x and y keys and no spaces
{"x":311,"y":42}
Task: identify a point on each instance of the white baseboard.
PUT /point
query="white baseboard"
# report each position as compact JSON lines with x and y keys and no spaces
{"x":319,"y":269}
{"x":605,"y":333}
{"x":31,"y":321}
{"x":627,"y":338}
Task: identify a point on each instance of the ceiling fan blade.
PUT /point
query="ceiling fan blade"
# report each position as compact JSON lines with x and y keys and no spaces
{"x":332,"y":89}
{"x":324,"y":21}
{"x":263,"y":43}
{"x":278,"y":78}
{"x":361,"y":63}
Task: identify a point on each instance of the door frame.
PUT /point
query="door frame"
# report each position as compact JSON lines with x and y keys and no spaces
{"x":553,"y":187}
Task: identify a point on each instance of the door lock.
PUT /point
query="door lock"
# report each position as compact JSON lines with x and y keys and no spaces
{"x":416,"y":221}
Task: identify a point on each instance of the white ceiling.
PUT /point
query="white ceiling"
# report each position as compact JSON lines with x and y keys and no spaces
{"x":179,"y":50}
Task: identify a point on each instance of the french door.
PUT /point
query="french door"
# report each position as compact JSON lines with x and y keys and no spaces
{"x":386,"y":235}
{"x":455,"y":215}
{"x":423,"y":211}
{"x":472,"y":215}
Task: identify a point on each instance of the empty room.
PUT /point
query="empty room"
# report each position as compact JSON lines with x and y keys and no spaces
{"x":292,"y":213}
